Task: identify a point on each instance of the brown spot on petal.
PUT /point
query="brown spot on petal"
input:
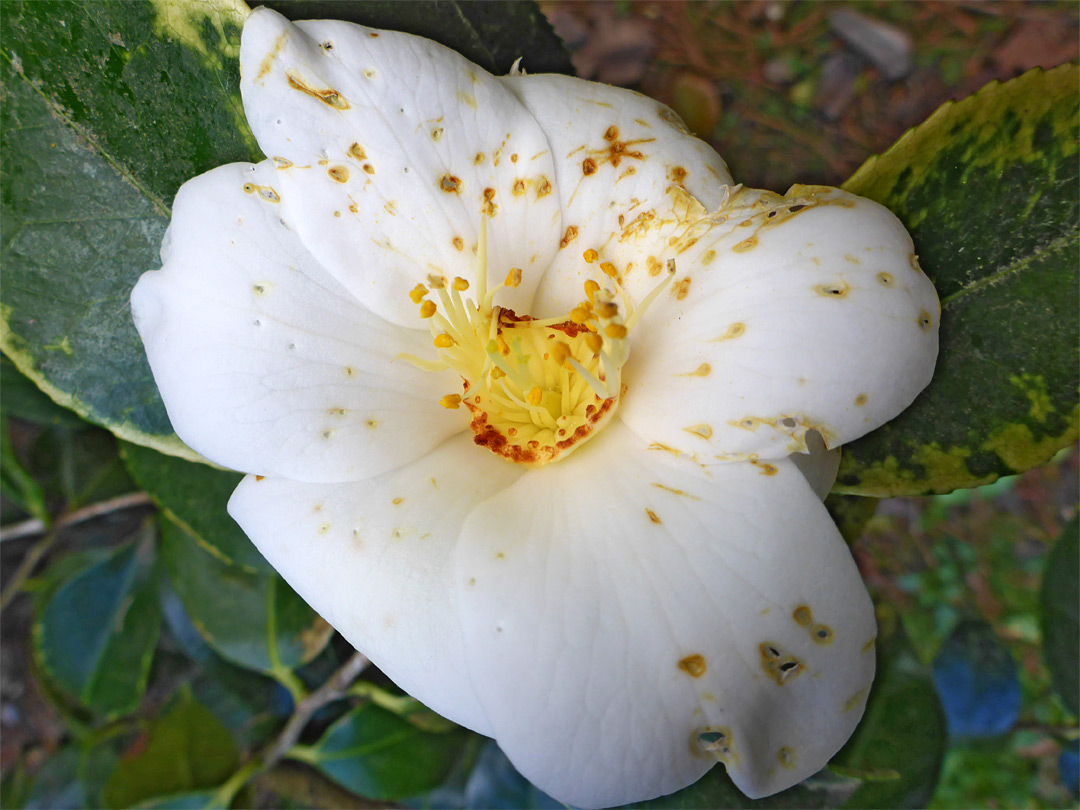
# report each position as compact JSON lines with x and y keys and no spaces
{"x":357,"y":151}
{"x":488,"y":206}
{"x":519,"y":187}
{"x":543,"y":187}
{"x":588,"y":166}
{"x":459,"y":243}
{"x":338,"y":173}
{"x":786,"y":756}
{"x":328,"y":96}
{"x":836,"y":289}
{"x":886,"y":279}
{"x":678,"y":174}
{"x":778,"y":664}
{"x":450,"y":184}
{"x":925,"y":321}
{"x":745,"y":245}
{"x":802,"y":616}
{"x":569,"y":236}
{"x":682,"y":289}
{"x":861,"y":399}
{"x":693,"y":665}
{"x":652,"y":515}
{"x":821,"y":634}
{"x":368,"y":168}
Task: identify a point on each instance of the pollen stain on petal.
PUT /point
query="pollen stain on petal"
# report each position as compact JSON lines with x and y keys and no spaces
{"x":459,"y":243}
{"x":682,"y":289}
{"x":368,"y":168}
{"x":569,"y":236}
{"x":836,"y":289}
{"x":488,"y":207}
{"x":543,"y":187}
{"x":765,"y":468}
{"x":652,"y":516}
{"x":468,"y":99}
{"x":803,"y":616}
{"x":371,"y":423}
{"x":450,"y":184}
{"x":678,"y":174}
{"x":885,"y":279}
{"x":349,"y":371}
{"x":736,"y":329}
{"x":357,"y":151}
{"x":861,"y":399}
{"x":925,"y":321}
{"x":479,"y":158}
{"x":868,"y":646}
{"x":704,"y":370}
{"x":588,"y":166}
{"x":693,"y":665}
{"x":746,"y":244}
{"x":674,"y":491}
{"x":519,"y":187}
{"x":708,"y":256}
{"x":702,"y":431}
{"x":328,"y":96}
{"x":786,"y":756}
{"x":398,"y":501}
{"x":436,"y":133}
{"x":338,"y":173}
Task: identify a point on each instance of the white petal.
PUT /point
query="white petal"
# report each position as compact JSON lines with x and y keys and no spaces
{"x":817,"y":318}
{"x":264,"y":362}
{"x":392,"y":146}
{"x":621,"y":602}
{"x":374,"y":558}
{"x":621,"y":158}
{"x":819,"y":465}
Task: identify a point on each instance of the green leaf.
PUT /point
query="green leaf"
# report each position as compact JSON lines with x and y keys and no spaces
{"x":96,"y":635}
{"x":374,"y":753}
{"x":511,"y":29}
{"x":187,"y":749}
{"x":107,"y":108}
{"x":195,"y":496}
{"x":902,"y":737}
{"x":988,"y":188}
{"x":16,"y":483}
{"x":23,"y":399}
{"x":77,"y":467}
{"x":254,"y":620}
{"x":1060,"y":601}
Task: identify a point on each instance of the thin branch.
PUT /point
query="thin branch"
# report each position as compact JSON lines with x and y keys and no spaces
{"x":28,"y":528}
{"x":335,"y":688}
{"x":35,"y":553}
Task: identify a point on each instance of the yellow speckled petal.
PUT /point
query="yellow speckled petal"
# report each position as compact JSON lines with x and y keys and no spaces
{"x":628,"y":176}
{"x":374,"y":558}
{"x":809,"y":312}
{"x":631,"y":619}
{"x":264,"y":362}
{"x":390,"y":148}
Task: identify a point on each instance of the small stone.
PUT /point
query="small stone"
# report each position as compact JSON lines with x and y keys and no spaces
{"x":886,"y":47}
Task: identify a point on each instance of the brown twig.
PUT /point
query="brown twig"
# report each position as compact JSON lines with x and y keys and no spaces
{"x":332,"y":690}
{"x":28,"y":528}
{"x":34,"y":526}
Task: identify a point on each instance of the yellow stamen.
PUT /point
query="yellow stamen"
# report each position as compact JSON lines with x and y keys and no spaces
{"x":591,"y":288}
{"x":460,"y":284}
{"x":513,"y":278}
{"x":591,"y":255}
{"x":606,"y":309}
{"x":427,"y":309}
{"x":535,"y":396}
{"x":609,"y":269}
{"x":417,"y":293}
{"x":615,"y":331}
{"x":559,"y":352}
{"x":443,"y":341}
{"x":451,"y":401}
{"x":594,"y":342}
{"x":579,"y":315}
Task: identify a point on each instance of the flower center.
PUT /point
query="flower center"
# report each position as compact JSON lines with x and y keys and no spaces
{"x":536,"y":389}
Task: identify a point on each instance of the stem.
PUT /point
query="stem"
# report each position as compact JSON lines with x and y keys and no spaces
{"x":336,"y":687}
{"x":34,"y":526}
{"x":28,"y":564}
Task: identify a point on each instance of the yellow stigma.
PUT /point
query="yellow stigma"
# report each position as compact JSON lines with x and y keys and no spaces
{"x":536,"y":389}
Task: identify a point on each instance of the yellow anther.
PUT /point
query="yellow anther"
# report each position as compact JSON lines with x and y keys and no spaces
{"x":535,"y":396}
{"x":497,"y":373}
{"x":609,"y":269}
{"x":591,"y":289}
{"x":607,"y":309}
{"x":460,"y":284}
{"x":437,"y":282}
{"x":451,"y":401}
{"x":443,"y":341}
{"x":591,"y":255}
{"x":615,"y":331}
{"x":579,"y":314}
{"x":504,"y":349}
{"x":559,"y":352}
{"x":417,"y":293}
{"x":427,"y":309}
{"x":594,"y":342}
{"x":513,"y":278}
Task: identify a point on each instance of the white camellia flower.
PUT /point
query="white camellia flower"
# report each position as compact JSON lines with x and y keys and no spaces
{"x":536,"y":402}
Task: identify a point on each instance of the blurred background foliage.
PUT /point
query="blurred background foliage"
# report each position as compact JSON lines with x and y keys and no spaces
{"x":151,"y":658}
